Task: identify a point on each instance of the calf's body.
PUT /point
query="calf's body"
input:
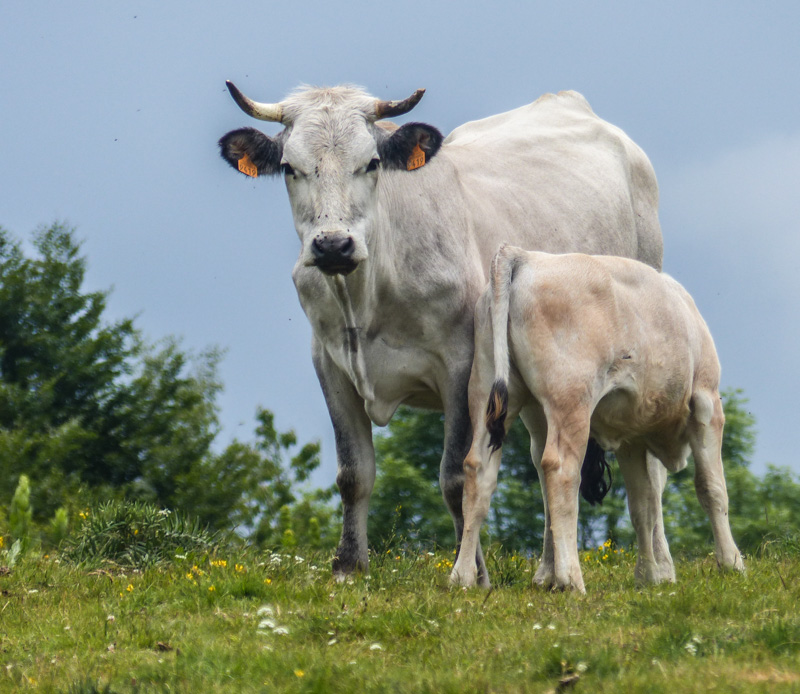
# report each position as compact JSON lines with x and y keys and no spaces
{"x":596,"y":346}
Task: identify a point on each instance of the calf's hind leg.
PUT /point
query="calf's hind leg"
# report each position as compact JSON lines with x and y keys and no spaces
{"x":535,"y":423}
{"x":644,"y":484}
{"x":565,"y":447}
{"x":705,"y":439}
{"x":480,"y":480}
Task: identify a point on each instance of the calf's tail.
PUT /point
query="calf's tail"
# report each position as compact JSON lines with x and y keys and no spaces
{"x":503,"y":266}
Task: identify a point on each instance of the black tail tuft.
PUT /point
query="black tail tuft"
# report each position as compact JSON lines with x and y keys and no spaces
{"x":496,"y":412}
{"x":595,"y":474}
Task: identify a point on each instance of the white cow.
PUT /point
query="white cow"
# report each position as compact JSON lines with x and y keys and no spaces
{"x":397,"y":227}
{"x":592,"y":346}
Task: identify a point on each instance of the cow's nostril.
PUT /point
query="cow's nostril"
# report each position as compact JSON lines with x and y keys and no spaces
{"x":348,"y":247}
{"x":318,"y":247}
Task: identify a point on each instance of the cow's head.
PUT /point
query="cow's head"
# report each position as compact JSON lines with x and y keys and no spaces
{"x":331,"y":153}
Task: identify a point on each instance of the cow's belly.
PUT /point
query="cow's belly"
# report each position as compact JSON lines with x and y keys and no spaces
{"x":386,"y":376}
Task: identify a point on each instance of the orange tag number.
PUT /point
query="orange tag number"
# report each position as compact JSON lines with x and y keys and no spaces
{"x":416,"y":159}
{"x":248,"y":167}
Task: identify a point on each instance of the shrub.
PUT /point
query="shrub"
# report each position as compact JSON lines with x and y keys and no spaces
{"x":136,"y":535}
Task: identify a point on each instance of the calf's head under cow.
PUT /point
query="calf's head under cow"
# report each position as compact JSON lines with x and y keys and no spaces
{"x":331,"y":153}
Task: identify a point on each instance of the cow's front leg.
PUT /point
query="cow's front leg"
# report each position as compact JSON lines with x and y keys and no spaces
{"x":355,"y":457}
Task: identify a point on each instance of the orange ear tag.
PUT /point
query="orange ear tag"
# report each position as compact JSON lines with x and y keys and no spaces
{"x":416,"y":159}
{"x":248,"y":167}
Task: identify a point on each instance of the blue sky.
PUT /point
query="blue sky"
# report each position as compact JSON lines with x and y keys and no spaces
{"x":110,"y":113}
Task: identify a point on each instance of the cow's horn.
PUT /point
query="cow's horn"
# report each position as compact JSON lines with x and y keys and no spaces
{"x":270,"y":112}
{"x":388,"y":109}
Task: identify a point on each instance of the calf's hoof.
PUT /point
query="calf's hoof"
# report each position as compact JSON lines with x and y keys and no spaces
{"x":464,"y":577}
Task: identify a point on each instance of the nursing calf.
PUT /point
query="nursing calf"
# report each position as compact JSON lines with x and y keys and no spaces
{"x":596,"y":346}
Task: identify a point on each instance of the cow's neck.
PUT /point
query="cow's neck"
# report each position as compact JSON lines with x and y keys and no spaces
{"x":353,"y":337}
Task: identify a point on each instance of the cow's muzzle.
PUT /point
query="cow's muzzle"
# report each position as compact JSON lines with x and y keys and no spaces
{"x":333,"y":254}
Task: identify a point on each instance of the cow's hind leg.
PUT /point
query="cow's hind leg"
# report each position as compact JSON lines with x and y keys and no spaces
{"x":643,"y":484}
{"x":705,"y":439}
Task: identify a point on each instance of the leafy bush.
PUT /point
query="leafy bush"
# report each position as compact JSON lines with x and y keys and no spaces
{"x":136,"y":535}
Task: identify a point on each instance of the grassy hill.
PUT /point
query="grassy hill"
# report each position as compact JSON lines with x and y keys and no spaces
{"x":261,"y":622}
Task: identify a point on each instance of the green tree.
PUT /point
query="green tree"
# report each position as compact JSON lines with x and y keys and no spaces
{"x":89,"y":411}
{"x":407,"y":502}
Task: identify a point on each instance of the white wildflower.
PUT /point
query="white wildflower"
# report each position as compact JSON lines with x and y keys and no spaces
{"x":265,"y":610}
{"x":376,"y":647}
{"x":551,"y":627}
{"x":581,"y":667}
{"x":331,"y":642}
{"x":266,"y":624}
{"x":537,"y":626}
{"x":280,"y":631}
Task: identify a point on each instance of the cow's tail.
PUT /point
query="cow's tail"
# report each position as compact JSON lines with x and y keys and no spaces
{"x":596,"y":476}
{"x":504,"y":264}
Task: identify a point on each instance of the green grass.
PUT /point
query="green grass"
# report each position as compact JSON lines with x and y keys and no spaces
{"x":193,"y":626}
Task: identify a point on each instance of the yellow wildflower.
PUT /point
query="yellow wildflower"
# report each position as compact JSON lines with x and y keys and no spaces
{"x":299,"y":673}
{"x":130,"y":588}
{"x":239,"y":568}
{"x":267,"y":581}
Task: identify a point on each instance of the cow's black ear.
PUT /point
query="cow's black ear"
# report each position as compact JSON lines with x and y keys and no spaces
{"x":252,"y":152}
{"x":396,"y":151}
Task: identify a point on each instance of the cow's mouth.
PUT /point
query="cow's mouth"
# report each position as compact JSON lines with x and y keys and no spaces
{"x":336,"y":268}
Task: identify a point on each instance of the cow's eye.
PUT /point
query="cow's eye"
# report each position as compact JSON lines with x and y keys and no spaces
{"x":287,"y":169}
{"x":373,"y":164}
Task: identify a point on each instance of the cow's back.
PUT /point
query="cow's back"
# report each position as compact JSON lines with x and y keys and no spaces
{"x":552,"y":176}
